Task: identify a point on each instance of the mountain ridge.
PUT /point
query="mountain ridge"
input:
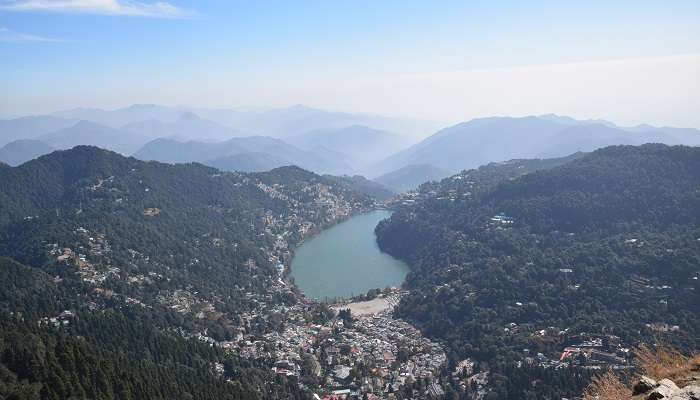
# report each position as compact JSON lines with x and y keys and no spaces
{"x":260,"y":152}
{"x":483,"y":140}
{"x":595,"y":246}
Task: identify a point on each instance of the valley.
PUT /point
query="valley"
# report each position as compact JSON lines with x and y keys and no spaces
{"x":227,"y":290}
{"x":396,"y":153}
{"x":234,"y":279}
{"x":422,"y":283}
{"x":349,"y":200}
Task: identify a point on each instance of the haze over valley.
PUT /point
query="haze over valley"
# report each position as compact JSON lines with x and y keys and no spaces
{"x":319,"y":141}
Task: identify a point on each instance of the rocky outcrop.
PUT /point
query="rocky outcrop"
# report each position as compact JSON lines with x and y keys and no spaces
{"x":666,"y":389}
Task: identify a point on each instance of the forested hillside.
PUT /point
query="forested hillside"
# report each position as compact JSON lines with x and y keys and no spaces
{"x":363,"y":185}
{"x":112,"y":353}
{"x":131,"y":270}
{"x":411,"y":176}
{"x":509,"y":271}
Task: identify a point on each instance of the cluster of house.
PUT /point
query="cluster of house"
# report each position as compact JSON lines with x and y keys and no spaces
{"x":88,"y":246}
{"x":501,"y":220}
{"x":662,"y":327}
{"x":591,"y":351}
{"x":459,"y":187}
{"x":184,"y":301}
{"x":326,"y":206}
{"x":374,"y":355}
{"x":586,"y":350}
{"x":596,"y":351}
{"x":59,"y":320}
{"x":466,"y":377}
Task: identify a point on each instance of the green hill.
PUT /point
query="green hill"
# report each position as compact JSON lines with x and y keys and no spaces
{"x":604,"y":245}
{"x":153,"y":262}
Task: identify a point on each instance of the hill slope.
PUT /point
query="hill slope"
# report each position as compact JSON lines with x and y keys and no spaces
{"x":276,"y":122}
{"x":296,"y":120}
{"x":363,"y":185}
{"x":153,"y":263}
{"x":411,"y":176}
{"x":603,"y":247}
{"x":21,"y":151}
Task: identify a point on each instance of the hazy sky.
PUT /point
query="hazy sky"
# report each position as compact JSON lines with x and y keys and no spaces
{"x":627,"y":61}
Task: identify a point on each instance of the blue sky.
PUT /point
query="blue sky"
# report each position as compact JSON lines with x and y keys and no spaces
{"x":392,"y":57}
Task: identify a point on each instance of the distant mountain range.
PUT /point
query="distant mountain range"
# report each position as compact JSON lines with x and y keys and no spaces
{"x":255,"y":153}
{"x":342,"y":151}
{"x":275,"y":122}
{"x":299,"y":119}
{"x":363,"y":145}
{"x":188,"y":126}
{"x":325,"y":141}
{"x":122,"y":116}
{"x":30,"y":127}
{"x":332,"y":141}
{"x":485,"y":140}
{"x":93,"y":134}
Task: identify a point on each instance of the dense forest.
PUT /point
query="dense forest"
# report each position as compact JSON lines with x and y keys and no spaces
{"x":117,"y":269}
{"x":508,"y":264}
{"x":109,"y":354}
{"x":117,"y":275}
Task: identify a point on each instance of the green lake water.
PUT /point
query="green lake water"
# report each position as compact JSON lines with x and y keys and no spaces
{"x":345,"y":260}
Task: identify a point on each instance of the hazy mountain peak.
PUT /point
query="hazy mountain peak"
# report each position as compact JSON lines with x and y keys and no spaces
{"x":30,"y":127}
{"x":566,"y":120}
{"x":94,"y":134}
{"x":251,"y":153}
{"x":85,"y":124}
{"x":141,"y":106}
{"x":188,"y":116}
{"x":80,"y":109}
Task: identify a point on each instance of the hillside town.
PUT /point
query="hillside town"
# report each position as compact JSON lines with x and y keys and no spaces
{"x":332,"y":352}
{"x":350,"y":349}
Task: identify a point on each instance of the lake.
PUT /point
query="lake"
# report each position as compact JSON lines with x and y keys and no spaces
{"x":345,"y":260}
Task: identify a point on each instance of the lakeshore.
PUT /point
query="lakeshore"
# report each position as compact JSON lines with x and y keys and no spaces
{"x":344,"y":260}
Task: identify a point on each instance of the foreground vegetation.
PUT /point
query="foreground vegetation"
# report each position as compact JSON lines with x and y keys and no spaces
{"x":658,"y":363}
